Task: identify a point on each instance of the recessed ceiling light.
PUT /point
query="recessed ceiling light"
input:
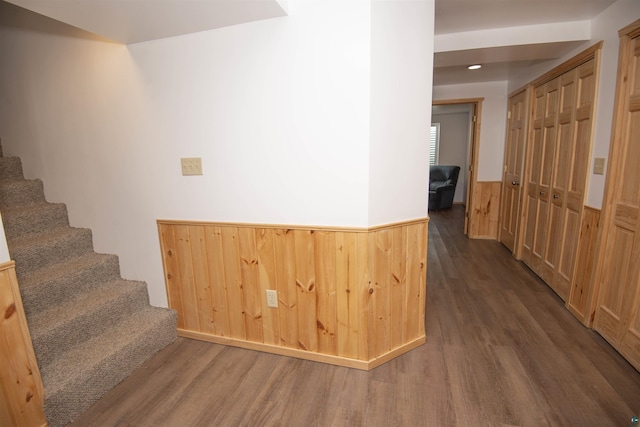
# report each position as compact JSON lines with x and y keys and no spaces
{"x":474,"y":67}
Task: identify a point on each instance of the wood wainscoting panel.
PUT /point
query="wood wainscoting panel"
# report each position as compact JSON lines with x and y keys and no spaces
{"x":21,"y":392}
{"x":352,"y":297}
{"x":581,"y":301}
{"x":485,"y":210}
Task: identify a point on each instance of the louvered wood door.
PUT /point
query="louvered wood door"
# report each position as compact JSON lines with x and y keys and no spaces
{"x":543,"y":143}
{"x":513,"y":165}
{"x":617,"y":313}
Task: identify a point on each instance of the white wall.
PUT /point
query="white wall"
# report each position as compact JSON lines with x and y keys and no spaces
{"x":493,"y":122}
{"x":401,"y":76}
{"x":4,"y":250}
{"x":278,"y":110}
{"x":454,"y":143}
{"x":604,"y":27}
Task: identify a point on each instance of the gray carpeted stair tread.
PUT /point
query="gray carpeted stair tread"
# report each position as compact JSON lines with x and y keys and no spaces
{"x":11,"y":169}
{"x":80,"y":376}
{"x":43,"y":249}
{"x":88,"y":314}
{"x":90,"y":328}
{"x":57,"y":283}
{"x":32,"y":219}
{"x":21,"y":193}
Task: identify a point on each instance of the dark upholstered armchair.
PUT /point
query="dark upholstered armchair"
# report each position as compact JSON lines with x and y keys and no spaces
{"x":442,"y":186}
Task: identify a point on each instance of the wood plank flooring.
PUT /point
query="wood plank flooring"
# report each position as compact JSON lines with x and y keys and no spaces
{"x":501,"y":351}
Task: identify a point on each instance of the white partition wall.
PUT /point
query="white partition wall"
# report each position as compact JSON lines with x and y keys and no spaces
{"x":316,"y":118}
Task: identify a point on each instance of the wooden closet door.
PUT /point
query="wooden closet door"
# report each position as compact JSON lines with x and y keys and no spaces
{"x":617,"y":313}
{"x":573,"y":160}
{"x":513,"y":165}
{"x":545,"y":117}
{"x":562,"y":165}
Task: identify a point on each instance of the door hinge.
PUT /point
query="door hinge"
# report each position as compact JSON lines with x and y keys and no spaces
{"x":509,"y":114}
{"x":474,"y":118}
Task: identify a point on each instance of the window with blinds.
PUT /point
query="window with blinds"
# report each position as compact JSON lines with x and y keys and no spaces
{"x":434,"y":144}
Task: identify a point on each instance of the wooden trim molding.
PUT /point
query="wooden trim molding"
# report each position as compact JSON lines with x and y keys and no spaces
{"x":349,"y":297}
{"x":457,"y":101}
{"x":631,"y":31}
{"x":582,"y":57}
{"x":21,"y":391}
{"x":294,"y":226}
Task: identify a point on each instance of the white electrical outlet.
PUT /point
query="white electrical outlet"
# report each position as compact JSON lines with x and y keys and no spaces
{"x":191,"y":165}
{"x":598,"y":165}
{"x":272,"y":298}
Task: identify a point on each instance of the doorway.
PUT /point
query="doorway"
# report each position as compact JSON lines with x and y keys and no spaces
{"x":458,"y":122}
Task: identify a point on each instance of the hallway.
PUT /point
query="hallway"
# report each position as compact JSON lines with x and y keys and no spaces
{"x":501,"y":350}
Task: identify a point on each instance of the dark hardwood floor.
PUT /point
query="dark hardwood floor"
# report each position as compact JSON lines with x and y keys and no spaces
{"x":501,"y":351}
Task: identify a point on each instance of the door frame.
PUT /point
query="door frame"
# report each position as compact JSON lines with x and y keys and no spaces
{"x":473,"y":146}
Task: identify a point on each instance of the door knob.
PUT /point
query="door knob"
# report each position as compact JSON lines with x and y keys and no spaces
{"x":542,"y":193}
{"x":515,"y":182}
{"x":555,"y":196}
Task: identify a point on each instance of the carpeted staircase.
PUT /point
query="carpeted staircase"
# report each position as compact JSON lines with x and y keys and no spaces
{"x":90,"y":328}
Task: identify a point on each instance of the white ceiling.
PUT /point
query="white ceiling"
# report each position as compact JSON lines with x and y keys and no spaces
{"x":454,"y":16}
{"x":509,"y":53}
{"x":133,"y":21}
{"x":506,"y":36}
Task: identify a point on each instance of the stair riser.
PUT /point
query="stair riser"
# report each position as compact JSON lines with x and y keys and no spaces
{"x":89,"y":323}
{"x":21,"y":193}
{"x":56,"y":290}
{"x":69,"y":401}
{"x":10,"y":169}
{"x":29,"y":222}
{"x":42,"y":254}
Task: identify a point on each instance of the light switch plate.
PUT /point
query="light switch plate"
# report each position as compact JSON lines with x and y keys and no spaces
{"x":598,"y":165}
{"x":191,"y":165}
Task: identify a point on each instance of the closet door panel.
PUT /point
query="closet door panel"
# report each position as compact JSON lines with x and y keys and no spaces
{"x":568,"y":253}
{"x":614,"y":295}
{"x":617,"y":309}
{"x":513,"y":165}
{"x":630,"y":346}
{"x":581,"y":101}
{"x":544,"y":154}
{"x":535,"y":155}
{"x":562,"y":165}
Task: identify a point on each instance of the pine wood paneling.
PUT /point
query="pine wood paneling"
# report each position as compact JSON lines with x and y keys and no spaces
{"x":21,"y":393}
{"x":215,"y":269}
{"x":486,"y":210}
{"x":325,"y":266}
{"x":352,"y":297}
{"x":267,"y":280}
